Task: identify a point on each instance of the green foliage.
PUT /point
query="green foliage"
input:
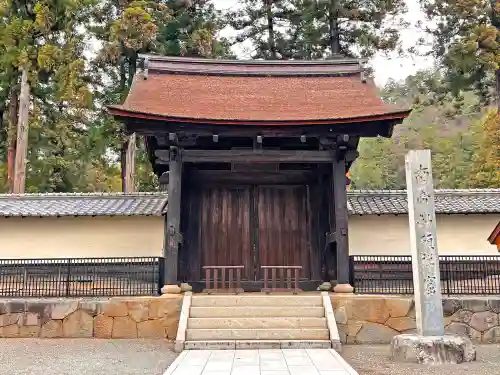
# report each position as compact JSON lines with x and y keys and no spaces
{"x":466,"y":41}
{"x":465,"y":145}
{"x":307,"y":29}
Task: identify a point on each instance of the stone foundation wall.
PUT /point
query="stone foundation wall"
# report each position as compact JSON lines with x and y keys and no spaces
{"x":121,"y":318}
{"x":377,"y":319}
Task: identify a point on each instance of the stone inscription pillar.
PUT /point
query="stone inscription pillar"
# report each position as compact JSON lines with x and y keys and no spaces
{"x":425,"y":260}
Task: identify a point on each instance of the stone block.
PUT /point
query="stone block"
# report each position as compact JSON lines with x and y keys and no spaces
{"x":462,"y":316}
{"x":9,"y":319}
{"x":138,"y":310}
{"x":31,"y":319}
{"x":171,"y":324}
{"x":463,"y":329}
{"x":374,"y":333}
{"x":399,"y":307}
{"x":353,"y":327}
{"x":476,"y":304}
{"x":3,"y":307}
{"x":103,"y":327}
{"x":124,"y":328}
{"x":61,"y":310}
{"x":210,"y":345}
{"x":494,"y":304}
{"x":432,"y":349}
{"x":9,"y":331}
{"x":340,"y":315}
{"x":305,"y":344}
{"x":451,"y":306}
{"x":52,"y":329}
{"x":258,"y":344}
{"x":42,"y":309}
{"x":326,"y":286}
{"x":171,"y":289}
{"x":115,"y":309}
{"x":402,"y":324}
{"x":78,"y":324}
{"x":92,"y":308}
{"x":29,"y":331}
{"x":491,"y":336}
{"x":161,"y":307}
{"x":151,"y":329}
{"x":370,"y":309}
{"x":482,"y":321}
{"x":185,"y":287}
{"x":16,"y":307}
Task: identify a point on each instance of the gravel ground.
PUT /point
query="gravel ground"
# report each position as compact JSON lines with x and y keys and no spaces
{"x":84,"y":357}
{"x":152,"y":357}
{"x":373,"y":360}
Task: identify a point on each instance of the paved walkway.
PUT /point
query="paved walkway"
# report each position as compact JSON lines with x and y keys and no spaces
{"x":260,"y":362}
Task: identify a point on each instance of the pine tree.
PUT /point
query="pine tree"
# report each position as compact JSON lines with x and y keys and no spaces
{"x":466,"y":41}
{"x":319,"y":29}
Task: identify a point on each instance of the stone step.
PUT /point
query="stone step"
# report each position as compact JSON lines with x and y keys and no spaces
{"x":256,"y":344}
{"x":256,"y":311}
{"x":258,"y":334}
{"x":262,"y":322}
{"x":256,"y":300}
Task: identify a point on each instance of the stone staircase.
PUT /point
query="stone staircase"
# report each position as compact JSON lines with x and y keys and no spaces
{"x":250,"y":321}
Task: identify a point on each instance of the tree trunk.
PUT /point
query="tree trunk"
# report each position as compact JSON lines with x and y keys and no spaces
{"x":270,"y":28}
{"x":334,"y":28}
{"x":11,"y":135}
{"x":130,"y":164}
{"x":22,"y":135}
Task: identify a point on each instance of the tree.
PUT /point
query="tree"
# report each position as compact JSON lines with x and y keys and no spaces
{"x":43,"y":38}
{"x":486,"y":160}
{"x":466,"y":41}
{"x":319,"y":29}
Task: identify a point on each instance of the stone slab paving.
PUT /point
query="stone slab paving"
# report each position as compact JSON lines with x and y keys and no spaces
{"x":260,"y":362}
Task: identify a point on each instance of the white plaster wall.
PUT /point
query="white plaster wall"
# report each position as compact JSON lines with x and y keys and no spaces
{"x":389,"y":234}
{"x":73,"y":237}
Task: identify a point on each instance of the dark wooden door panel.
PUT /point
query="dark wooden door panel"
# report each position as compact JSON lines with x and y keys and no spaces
{"x":225,"y":228}
{"x":283,"y":227}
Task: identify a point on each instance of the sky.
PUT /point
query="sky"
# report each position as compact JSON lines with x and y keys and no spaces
{"x":385,"y":67}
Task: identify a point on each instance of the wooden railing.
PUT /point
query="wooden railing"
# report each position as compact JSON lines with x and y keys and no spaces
{"x":292,"y":283}
{"x":212,"y":274}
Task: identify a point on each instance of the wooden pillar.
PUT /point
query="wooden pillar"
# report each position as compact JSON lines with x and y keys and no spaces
{"x":173,"y":237}
{"x":341,"y":224}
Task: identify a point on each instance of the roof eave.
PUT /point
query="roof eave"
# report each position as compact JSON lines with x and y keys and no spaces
{"x":120,"y":111}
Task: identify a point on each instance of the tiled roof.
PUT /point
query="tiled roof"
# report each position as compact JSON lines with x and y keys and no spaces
{"x":83,"y":204}
{"x":250,"y":92}
{"x":360,"y":202}
{"x":381,"y":202}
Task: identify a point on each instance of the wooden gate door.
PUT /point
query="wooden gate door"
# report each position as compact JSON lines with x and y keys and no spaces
{"x":283,"y":228}
{"x":225,"y":237}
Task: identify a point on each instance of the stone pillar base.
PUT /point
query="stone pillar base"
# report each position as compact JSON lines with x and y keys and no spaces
{"x":432,"y":349}
{"x":171,"y":289}
{"x":343,"y":288}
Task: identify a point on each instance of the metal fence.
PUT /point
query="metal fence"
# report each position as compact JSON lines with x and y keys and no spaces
{"x":78,"y":277}
{"x":393,"y":274}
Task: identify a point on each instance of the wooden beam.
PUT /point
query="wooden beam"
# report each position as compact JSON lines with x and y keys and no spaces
{"x":218,"y":177}
{"x":341,"y":220}
{"x":250,"y":156}
{"x":173,"y":237}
